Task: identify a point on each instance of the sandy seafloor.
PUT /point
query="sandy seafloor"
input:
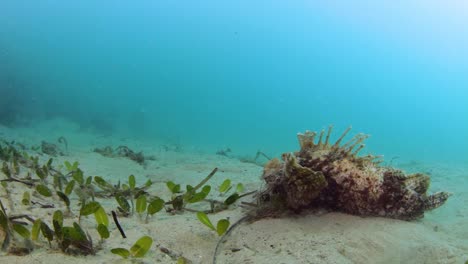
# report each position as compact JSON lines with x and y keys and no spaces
{"x":325,"y":237}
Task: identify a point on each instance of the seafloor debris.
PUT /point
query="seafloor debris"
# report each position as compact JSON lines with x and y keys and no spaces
{"x":51,"y":149}
{"x":259,"y":159}
{"x":124,"y":151}
{"x":335,"y":177}
{"x":224,"y":152}
{"x":63,"y":140}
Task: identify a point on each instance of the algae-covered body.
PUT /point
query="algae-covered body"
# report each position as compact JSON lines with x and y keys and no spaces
{"x":335,"y":177}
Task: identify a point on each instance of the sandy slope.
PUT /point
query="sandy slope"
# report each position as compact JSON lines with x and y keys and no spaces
{"x":441,"y":237}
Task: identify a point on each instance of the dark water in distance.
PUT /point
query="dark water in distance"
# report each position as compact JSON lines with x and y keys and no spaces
{"x":244,"y":74}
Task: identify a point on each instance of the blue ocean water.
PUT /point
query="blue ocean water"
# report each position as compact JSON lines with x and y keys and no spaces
{"x":243,"y":74}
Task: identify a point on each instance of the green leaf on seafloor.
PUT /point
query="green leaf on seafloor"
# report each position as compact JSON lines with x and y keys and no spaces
{"x":89,"y":208}
{"x":16,"y":166}
{"x":141,"y":204}
{"x":71,"y":167}
{"x":148,"y":183}
{"x":49,"y":162}
{"x":58,"y":182}
{"x":206,"y":189}
{"x":58,"y":229}
{"x":222,"y":226}
{"x":225,"y":186}
{"x":3,"y":221}
{"x":103,"y":231}
{"x":89,"y":180}
{"x":240,"y":188}
{"x":45,"y":169}
{"x":20,"y":229}
{"x":58,"y":216}
{"x":70,"y":233}
{"x":131,"y":181}
{"x":80,"y":232}
{"x":183,"y":260}
{"x":47,"y":232}
{"x":69,"y":187}
{"x":123,"y":203}
{"x":78,"y":176}
{"x":26,"y":198}
{"x":124,"y":253}
{"x":101,"y":217}
{"x":203,"y":218}
{"x":68,"y":165}
{"x":139,"y":249}
{"x":43,"y":190}
{"x":35,"y":230}
{"x":64,"y":198}
{"x":6,"y":170}
{"x":174,"y":188}
{"x":155,"y":206}
{"x":231,"y":199}
{"x":196,"y":197}
{"x":101,"y":183}
{"x":40,"y":173}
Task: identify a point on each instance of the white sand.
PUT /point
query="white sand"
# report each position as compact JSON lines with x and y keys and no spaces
{"x":441,"y":237}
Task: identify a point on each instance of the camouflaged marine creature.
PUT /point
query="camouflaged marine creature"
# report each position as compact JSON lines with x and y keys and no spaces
{"x":335,"y":177}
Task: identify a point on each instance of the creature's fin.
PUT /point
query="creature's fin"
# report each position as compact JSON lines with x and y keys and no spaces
{"x":435,"y":200}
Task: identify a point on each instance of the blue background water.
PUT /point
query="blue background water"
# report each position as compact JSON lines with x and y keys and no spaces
{"x":243,"y":74}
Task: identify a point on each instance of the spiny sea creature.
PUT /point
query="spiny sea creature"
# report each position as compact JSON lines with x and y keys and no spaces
{"x":335,"y":177}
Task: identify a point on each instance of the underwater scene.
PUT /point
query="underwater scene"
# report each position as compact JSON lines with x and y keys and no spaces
{"x":241,"y":131}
